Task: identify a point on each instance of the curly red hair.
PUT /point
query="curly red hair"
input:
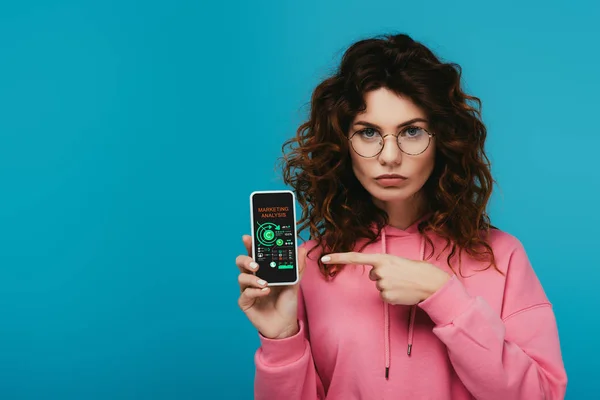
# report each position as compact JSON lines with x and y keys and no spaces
{"x":335,"y":207}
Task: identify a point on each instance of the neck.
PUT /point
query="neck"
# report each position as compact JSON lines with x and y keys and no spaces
{"x":404,"y":213}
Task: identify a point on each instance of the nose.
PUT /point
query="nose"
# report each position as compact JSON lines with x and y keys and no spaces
{"x":391,"y":153}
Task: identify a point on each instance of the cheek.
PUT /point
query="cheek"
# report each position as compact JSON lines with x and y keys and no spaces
{"x":357,"y":165}
{"x":427,"y":164}
{"x":420,"y":167}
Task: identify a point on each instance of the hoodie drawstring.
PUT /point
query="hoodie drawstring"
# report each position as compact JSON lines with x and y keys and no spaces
{"x":386,"y":312}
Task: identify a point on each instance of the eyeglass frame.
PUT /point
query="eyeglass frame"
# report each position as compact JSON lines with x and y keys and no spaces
{"x":429,"y":136}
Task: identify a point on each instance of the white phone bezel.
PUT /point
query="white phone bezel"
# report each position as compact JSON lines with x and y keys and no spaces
{"x":295,"y":232}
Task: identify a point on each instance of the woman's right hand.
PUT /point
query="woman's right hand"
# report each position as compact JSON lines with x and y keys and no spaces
{"x":273,"y":310}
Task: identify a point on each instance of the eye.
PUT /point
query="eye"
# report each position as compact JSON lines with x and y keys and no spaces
{"x":413,"y":132}
{"x":368,"y":133}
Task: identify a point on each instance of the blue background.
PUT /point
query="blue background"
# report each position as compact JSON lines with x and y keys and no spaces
{"x":131,"y":134}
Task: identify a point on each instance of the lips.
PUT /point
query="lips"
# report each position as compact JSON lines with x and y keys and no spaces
{"x":390,"y":176}
{"x":391,"y":180}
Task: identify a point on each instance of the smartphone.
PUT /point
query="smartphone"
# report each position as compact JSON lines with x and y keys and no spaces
{"x":274,"y":240}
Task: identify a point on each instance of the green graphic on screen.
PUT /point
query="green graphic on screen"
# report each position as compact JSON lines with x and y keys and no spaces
{"x":275,"y":245}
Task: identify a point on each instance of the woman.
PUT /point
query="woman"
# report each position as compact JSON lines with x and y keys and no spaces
{"x":407,"y":290}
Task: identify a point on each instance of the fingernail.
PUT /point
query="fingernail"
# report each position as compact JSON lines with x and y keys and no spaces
{"x":325,"y":258}
{"x":261,"y":282}
{"x":265,"y":288}
{"x":253,"y":265}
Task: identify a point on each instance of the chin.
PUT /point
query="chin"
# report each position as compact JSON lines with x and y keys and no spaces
{"x":391,"y":194}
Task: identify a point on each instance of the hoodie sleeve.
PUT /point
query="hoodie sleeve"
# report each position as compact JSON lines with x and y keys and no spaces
{"x":515,"y":355}
{"x":285,"y":368}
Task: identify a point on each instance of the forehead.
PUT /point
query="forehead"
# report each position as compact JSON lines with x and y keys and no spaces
{"x":388,"y":109}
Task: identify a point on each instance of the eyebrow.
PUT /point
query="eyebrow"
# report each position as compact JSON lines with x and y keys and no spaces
{"x":374,"y":126}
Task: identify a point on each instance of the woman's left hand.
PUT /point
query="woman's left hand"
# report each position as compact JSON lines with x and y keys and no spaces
{"x":399,"y":280}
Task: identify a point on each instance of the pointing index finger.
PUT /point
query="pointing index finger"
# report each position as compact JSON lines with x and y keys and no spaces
{"x":353,"y":258}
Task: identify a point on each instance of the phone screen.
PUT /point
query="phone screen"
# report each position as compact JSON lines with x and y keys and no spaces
{"x":274,"y":236}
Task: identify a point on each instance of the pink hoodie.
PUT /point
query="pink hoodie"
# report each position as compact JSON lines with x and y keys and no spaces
{"x":484,"y":336}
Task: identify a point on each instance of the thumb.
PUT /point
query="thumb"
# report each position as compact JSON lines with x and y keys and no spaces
{"x":247,"y":240}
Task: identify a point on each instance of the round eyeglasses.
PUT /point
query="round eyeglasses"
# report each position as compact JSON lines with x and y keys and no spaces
{"x":369,"y":143}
